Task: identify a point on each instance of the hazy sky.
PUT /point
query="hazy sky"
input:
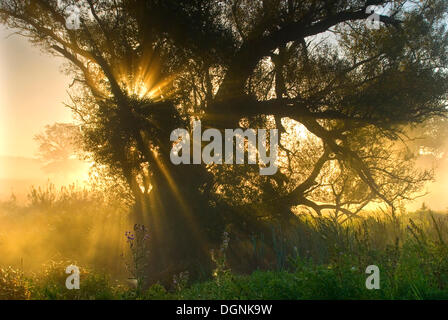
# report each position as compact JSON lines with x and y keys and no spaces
{"x":32,"y":90}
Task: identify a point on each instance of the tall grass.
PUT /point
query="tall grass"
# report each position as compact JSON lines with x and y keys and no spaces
{"x":313,"y":258}
{"x":73,"y":223}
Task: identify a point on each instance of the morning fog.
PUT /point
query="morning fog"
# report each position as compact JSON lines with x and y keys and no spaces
{"x":256,"y":142}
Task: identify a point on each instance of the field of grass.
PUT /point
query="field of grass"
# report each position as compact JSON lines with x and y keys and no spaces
{"x":321,"y":259}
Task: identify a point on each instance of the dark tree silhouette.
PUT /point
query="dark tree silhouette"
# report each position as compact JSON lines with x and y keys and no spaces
{"x":341,"y":95}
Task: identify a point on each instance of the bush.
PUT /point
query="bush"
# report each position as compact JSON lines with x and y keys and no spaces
{"x":50,"y":284}
{"x":13,"y":285}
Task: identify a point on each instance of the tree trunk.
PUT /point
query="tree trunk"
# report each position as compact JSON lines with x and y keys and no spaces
{"x":183,"y":225}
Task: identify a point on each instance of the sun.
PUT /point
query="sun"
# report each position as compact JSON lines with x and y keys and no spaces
{"x":145,"y":80}
{"x":140,"y":90}
{"x":144,"y":89}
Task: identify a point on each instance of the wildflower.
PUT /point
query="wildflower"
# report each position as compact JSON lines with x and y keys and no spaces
{"x":129,"y":236}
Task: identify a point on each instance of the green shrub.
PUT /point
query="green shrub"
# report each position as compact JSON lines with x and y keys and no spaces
{"x":50,"y":284}
{"x":13,"y":285}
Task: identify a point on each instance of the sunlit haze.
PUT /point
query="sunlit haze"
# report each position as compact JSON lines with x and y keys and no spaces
{"x":32,"y":92}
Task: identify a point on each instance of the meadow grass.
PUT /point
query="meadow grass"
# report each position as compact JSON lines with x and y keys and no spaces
{"x":318,"y":258}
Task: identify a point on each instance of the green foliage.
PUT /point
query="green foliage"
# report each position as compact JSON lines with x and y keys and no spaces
{"x":331,"y":262}
{"x":328,"y":263}
{"x":155,"y":292}
{"x":50,"y":284}
{"x":13,"y":285}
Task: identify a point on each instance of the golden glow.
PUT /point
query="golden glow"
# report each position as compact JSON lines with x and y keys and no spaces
{"x":154,"y":198}
{"x":140,"y":90}
{"x":2,"y":105}
{"x":145,"y":89}
{"x":43,"y":236}
{"x":143,"y":77}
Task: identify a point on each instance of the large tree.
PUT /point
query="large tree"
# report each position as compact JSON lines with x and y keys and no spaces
{"x":342,"y":96}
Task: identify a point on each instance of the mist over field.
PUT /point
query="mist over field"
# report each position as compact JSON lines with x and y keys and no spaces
{"x":19,"y":174}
